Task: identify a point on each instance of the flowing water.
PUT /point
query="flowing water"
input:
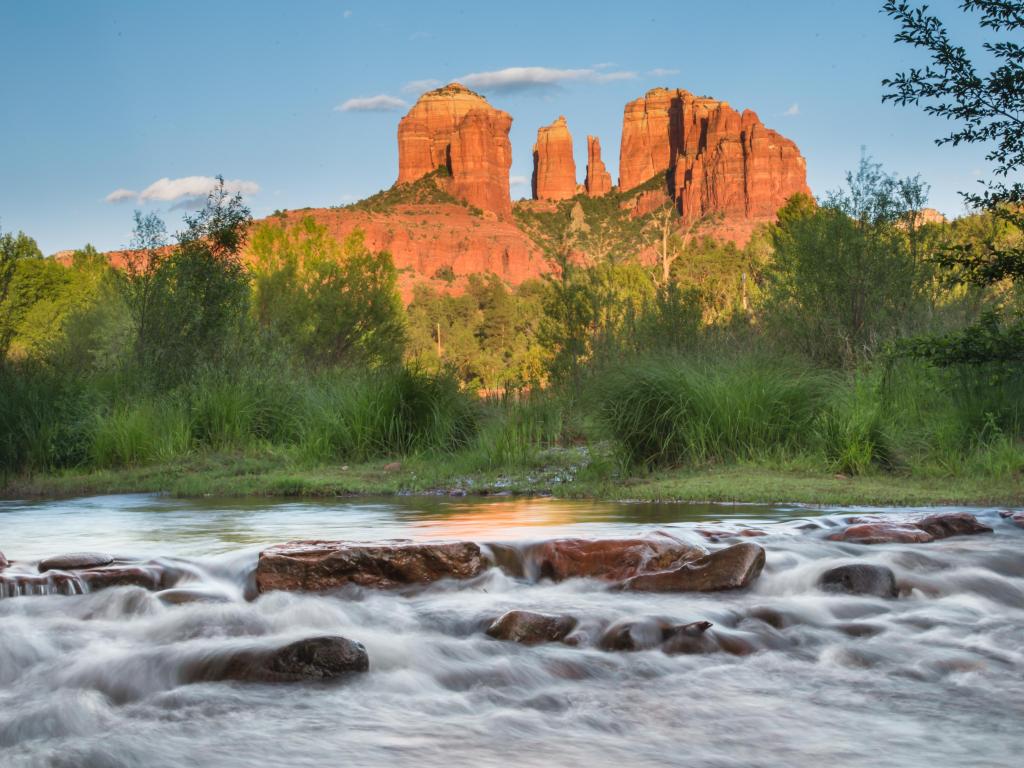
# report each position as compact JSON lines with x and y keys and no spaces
{"x":934,"y":678}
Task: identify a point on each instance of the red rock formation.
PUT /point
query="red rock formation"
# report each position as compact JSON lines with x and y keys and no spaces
{"x":599,"y":181}
{"x":454,"y":128}
{"x":425,"y":239}
{"x":719,"y":162}
{"x":554,"y":169}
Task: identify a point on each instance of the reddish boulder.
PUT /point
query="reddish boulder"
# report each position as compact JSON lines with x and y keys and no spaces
{"x":317,"y":566}
{"x":608,"y":559}
{"x":554,"y":168}
{"x":456,"y":129}
{"x":598,"y":181}
{"x":531,"y":628}
{"x":919,"y":530}
{"x":733,"y":567}
{"x":1017,"y":518}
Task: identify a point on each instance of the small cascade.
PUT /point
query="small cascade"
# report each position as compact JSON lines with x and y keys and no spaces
{"x":23,"y":584}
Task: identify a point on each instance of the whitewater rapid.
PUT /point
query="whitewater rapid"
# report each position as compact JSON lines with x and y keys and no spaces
{"x":94,"y":680}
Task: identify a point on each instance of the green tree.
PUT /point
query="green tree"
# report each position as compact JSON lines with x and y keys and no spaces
{"x":985,"y":108}
{"x":332,"y":302}
{"x":196,"y":297}
{"x":845,"y":277}
{"x":13,"y":249}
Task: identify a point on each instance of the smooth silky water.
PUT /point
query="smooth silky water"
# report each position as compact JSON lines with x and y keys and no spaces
{"x":935,"y":678}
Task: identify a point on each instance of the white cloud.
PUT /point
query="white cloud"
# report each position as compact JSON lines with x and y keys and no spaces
{"x":379,"y":103}
{"x":186,"y":189}
{"x":121,"y":195}
{"x":165,"y":190}
{"x":418,"y":86}
{"x":518,"y":181}
{"x":793,"y":111}
{"x":522,"y":78}
{"x":662,"y":72}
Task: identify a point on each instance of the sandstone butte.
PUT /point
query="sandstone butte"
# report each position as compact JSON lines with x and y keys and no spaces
{"x":456,"y":129}
{"x":716,"y":161}
{"x":598,"y":181}
{"x":719,"y":162}
{"x":554,"y":169}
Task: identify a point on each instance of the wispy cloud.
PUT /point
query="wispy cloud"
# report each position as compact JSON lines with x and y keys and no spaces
{"x":379,"y":103}
{"x":793,"y":111}
{"x":418,"y":86}
{"x":518,"y":181}
{"x":662,"y":72}
{"x":121,"y":195}
{"x":421,"y":35}
{"x":184,"y":191}
{"x":525,"y":78}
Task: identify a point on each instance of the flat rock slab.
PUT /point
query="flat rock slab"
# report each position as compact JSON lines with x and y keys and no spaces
{"x":733,"y":567}
{"x":318,"y":566}
{"x":75,"y":561}
{"x":607,"y":559}
{"x":920,"y":530}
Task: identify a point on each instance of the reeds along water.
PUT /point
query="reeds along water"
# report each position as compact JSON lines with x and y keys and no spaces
{"x":105,"y":678}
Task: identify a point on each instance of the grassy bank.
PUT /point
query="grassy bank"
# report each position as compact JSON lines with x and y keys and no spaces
{"x":742,"y":428}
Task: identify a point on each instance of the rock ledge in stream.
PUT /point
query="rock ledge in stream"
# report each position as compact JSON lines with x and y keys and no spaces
{"x":910,"y":531}
{"x":75,"y":561}
{"x":531,"y":628}
{"x":606,"y":559}
{"x":734,"y":567}
{"x":311,"y":659}
{"x":318,"y":566}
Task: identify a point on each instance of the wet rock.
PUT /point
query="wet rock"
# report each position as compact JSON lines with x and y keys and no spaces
{"x":1017,"y":518}
{"x":856,"y":629}
{"x":652,"y":633}
{"x":860,"y":579}
{"x":146,"y":576}
{"x":951,"y":524}
{"x":317,"y":566}
{"x":3,"y":561}
{"x":312,"y":659}
{"x":910,"y":531}
{"x":531,"y":628}
{"x":185,"y":595}
{"x":730,"y":568}
{"x":882,"y":533}
{"x":608,"y":559}
{"x":151,"y":576}
{"x":75,"y":561}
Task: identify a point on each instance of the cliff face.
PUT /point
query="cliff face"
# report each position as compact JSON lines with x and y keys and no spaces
{"x":599,"y":181}
{"x":554,"y":168}
{"x":454,"y":128}
{"x":718,"y":160}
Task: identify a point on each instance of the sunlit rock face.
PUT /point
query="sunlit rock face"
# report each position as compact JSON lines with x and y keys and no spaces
{"x":718,"y":161}
{"x":599,"y":181}
{"x":554,"y":168}
{"x":456,"y":129}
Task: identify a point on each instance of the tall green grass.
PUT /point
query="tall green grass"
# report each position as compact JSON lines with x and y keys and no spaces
{"x":665,"y":412}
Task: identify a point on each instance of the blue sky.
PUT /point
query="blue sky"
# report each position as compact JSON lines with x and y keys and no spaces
{"x":130,"y":100}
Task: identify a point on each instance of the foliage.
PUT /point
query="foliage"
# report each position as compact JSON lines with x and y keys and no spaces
{"x":428,"y":189}
{"x":987,"y":109}
{"x":846,"y":275}
{"x":333,"y":302}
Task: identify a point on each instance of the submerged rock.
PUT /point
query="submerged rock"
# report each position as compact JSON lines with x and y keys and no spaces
{"x":531,"y":628}
{"x":910,"y":531}
{"x":608,"y":559}
{"x":733,"y":567}
{"x":75,"y":561}
{"x":317,"y":566}
{"x":652,"y":633}
{"x":860,"y":579}
{"x":1017,"y":518}
{"x":312,"y":659}
{"x":194,"y":594}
